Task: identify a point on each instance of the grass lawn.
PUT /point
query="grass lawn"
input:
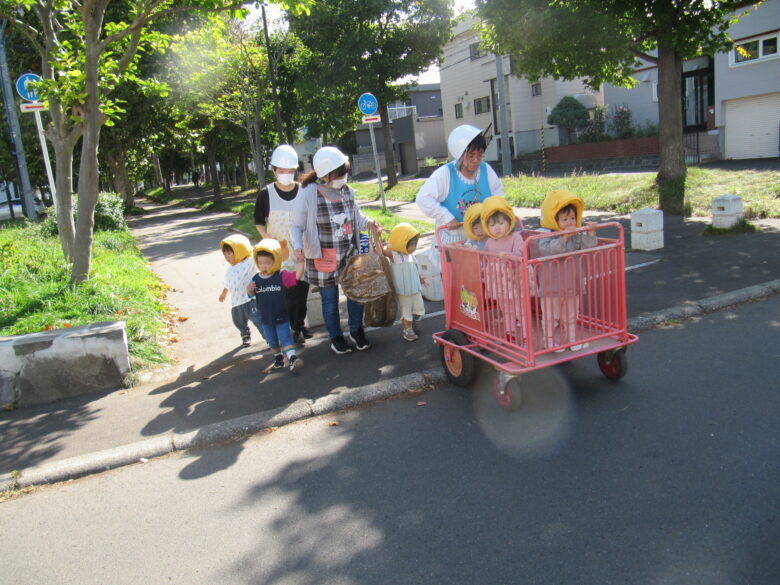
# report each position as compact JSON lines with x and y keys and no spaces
{"x":627,"y":192}
{"x":36,"y":295}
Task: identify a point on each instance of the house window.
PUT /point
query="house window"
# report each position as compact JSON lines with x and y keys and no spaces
{"x":481,"y":105}
{"x":458,"y":110}
{"x":536,"y":89}
{"x":755,"y":50}
{"x":475,"y":52}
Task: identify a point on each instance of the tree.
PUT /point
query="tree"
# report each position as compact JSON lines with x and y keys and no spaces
{"x":87,"y":49}
{"x":366,"y":46}
{"x":570,"y":114}
{"x":603,"y":40}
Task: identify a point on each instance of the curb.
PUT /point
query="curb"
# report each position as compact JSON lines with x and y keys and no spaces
{"x":219,"y":432}
{"x":340,"y":399}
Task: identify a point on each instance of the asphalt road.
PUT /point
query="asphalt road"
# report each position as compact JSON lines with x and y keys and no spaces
{"x":669,"y":477}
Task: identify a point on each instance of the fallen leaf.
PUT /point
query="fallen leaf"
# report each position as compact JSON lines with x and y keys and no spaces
{"x":173,"y":339}
{"x":421,"y":403}
{"x":67,"y":325}
{"x":271,"y":429}
{"x":183,"y":318}
{"x":334,"y":423}
{"x":48,"y":328}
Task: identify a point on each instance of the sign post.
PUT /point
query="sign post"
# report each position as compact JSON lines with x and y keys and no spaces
{"x":368,"y":105}
{"x":33,"y":105}
{"x":15,"y":134}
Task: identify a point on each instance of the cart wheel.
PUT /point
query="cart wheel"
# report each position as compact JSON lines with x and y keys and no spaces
{"x":459,"y":366}
{"x":511,"y":397}
{"x":613,"y":366}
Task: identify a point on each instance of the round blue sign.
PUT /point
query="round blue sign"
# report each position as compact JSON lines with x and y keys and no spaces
{"x":22,"y":87}
{"x":368,"y":104}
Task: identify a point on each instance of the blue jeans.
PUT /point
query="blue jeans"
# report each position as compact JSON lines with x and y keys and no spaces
{"x":278,"y":335}
{"x":242,"y":314}
{"x":329,"y":296}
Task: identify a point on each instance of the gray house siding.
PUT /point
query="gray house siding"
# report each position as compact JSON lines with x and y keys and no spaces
{"x":752,"y":78}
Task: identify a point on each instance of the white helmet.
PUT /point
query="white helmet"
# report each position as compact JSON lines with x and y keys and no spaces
{"x":284,"y":157}
{"x":460,"y":138}
{"x":327,"y":159}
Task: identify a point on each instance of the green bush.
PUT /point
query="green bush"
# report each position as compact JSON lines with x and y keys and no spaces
{"x":109,"y":212}
{"x":109,"y":215}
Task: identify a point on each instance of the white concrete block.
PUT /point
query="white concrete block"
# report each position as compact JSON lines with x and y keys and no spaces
{"x":727,"y":211}
{"x":727,"y":205}
{"x":647,"y":241}
{"x":647,"y":229}
{"x":647,"y":220}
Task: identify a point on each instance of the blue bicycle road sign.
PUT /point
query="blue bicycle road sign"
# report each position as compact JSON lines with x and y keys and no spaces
{"x":368,"y":104}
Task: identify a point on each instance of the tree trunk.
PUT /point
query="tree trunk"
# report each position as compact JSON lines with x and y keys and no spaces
{"x":256,"y":158}
{"x":63,"y":164}
{"x":158,"y":174}
{"x":392,"y":178}
{"x":672,"y":169}
{"x":116,"y":161}
{"x":88,"y":167}
{"x":211,"y":152}
{"x":242,"y":172}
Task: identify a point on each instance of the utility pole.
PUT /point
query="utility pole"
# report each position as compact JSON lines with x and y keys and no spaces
{"x":17,"y":149}
{"x":506,"y":156}
{"x":272,"y":75}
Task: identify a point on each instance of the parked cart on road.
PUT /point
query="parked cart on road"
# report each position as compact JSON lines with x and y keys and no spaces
{"x":523,"y":313}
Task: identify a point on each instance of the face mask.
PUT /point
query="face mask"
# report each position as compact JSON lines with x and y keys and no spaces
{"x":284,"y":179}
{"x":339,"y":183}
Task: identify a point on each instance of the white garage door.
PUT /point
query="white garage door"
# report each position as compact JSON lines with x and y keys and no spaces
{"x":753,"y":127}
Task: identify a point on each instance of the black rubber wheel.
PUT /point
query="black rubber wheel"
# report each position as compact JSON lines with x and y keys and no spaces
{"x":512,"y":397}
{"x":615,"y":367}
{"x":459,"y":366}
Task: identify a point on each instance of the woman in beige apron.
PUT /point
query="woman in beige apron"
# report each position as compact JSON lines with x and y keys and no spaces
{"x":273,"y":211}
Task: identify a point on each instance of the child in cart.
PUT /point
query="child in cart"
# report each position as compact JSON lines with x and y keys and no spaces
{"x":472,"y":227}
{"x":269,"y":289}
{"x":238,"y":253}
{"x":406,"y":277}
{"x":559,"y":282}
{"x":503,"y":284}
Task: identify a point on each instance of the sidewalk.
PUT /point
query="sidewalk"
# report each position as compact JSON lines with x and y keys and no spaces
{"x":215,"y":392}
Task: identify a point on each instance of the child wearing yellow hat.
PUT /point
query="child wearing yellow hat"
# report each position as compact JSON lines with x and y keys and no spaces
{"x":269,"y":287}
{"x":406,"y":277}
{"x":472,"y":227}
{"x":562,"y":213}
{"x":238,"y":253}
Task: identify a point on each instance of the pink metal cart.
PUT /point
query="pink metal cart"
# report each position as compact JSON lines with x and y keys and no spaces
{"x":523,"y":313}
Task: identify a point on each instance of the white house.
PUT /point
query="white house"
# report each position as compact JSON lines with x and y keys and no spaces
{"x":470,"y":95}
{"x":731,"y":99}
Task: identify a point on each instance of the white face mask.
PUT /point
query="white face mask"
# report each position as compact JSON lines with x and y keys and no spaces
{"x":285,"y":178}
{"x":339,"y":183}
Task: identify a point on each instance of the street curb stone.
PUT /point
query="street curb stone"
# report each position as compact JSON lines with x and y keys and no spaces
{"x":237,"y":428}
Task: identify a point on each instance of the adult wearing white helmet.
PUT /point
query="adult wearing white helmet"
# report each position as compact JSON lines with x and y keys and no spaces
{"x":325,"y":226}
{"x":273,"y":219}
{"x":465,"y":180}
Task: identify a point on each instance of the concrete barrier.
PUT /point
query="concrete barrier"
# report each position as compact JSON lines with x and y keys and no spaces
{"x":51,"y":365}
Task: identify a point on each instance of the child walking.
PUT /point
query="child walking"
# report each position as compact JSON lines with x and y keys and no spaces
{"x":562,"y":213}
{"x":406,"y":277}
{"x":472,"y":227}
{"x":238,"y":253}
{"x":269,"y":288}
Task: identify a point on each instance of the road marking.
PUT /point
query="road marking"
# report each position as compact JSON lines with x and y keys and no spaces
{"x":642,"y":265}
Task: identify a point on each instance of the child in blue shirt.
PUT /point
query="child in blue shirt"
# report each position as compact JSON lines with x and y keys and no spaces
{"x":269,"y":288}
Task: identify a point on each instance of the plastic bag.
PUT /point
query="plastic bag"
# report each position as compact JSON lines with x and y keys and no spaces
{"x":366,"y":277}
